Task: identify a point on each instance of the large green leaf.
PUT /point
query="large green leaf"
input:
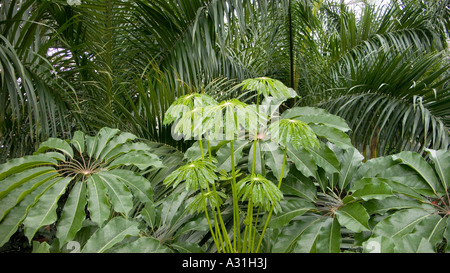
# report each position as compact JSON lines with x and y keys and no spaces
{"x":298,"y":185}
{"x":406,"y":183}
{"x":290,"y":208}
{"x":148,"y":213}
{"x":139,"y":186}
{"x":432,"y":229}
{"x":17,"y":214}
{"x":120,"y":195}
{"x":141,"y":245}
{"x":112,"y":233}
{"x":73,"y":214}
{"x":56,"y":144}
{"x":373,"y":167}
{"x":112,"y":149}
{"x":140,"y":159}
{"x":333,"y":135}
{"x":15,"y":193}
{"x":412,"y":243}
{"x":390,"y":204}
{"x":354,"y":217}
{"x":316,"y":116}
{"x":406,"y":176}
{"x":19,"y":164}
{"x":401,"y":223}
{"x":325,"y":158}
{"x":273,"y":156}
{"x":91,"y":145}
{"x":350,"y":161}
{"x":329,"y":239}
{"x":303,"y":160}
{"x":78,"y":141}
{"x":44,"y":211}
{"x":419,"y":164}
{"x":441,"y":159}
{"x":371,"y":188}
{"x":102,"y":138}
{"x":304,"y":111}
{"x":124,"y":148}
{"x":300,"y":236}
{"x":98,"y":205}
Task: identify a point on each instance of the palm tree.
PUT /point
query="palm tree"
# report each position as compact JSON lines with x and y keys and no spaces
{"x":384,"y":72}
{"x":34,"y":98}
{"x":383,"y":69}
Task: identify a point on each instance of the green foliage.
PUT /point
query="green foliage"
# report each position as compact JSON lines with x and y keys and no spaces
{"x":268,"y":88}
{"x":395,"y":203}
{"x":262,"y":191}
{"x":197,"y":174}
{"x":65,"y":183}
{"x":380,"y":78}
{"x":294,"y":132}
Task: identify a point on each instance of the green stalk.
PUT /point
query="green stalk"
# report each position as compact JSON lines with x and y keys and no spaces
{"x":236,"y":221}
{"x":250,"y":203}
{"x":207,"y":187}
{"x":210,"y":226}
{"x":248,"y":226}
{"x":254,"y":230}
{"x":273,"y":205}
{"x":224,"y":231}
{"x":222,"y":224}
{"x":256,"y":137}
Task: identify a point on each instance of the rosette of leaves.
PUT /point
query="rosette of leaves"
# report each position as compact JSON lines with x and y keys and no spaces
{"x":197,"y":175}
{"x":268,"y":88}
{"x":232,"y":118}
{"x":294,"y":132}
{"x":186,"y":103}
{"x":187,"y":112}
{"x":263,"y":192}
{"x":67,"y":181}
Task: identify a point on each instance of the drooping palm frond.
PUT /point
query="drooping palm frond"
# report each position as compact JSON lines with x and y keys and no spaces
{"x":33,"y":105}
{"x":385,"y":73}
{"x":206,"y":40}
{"x":389,"y":115}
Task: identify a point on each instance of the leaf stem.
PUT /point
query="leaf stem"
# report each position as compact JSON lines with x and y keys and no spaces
{"x":256,"y":135}
{"x":236,"y":221}
{"x":219,"y":213}
{"x":273,"y":205}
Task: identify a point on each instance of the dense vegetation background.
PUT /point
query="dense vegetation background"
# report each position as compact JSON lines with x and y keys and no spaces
{"x":84,"y":65}
{"x":383,"y":68}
